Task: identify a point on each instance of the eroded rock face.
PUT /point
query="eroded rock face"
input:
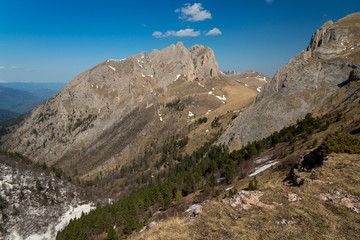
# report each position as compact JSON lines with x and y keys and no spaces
{"x":307,"y":81}
{"x":105,"y":109}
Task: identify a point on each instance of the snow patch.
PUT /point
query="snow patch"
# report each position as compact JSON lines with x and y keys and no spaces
{"x":264,"y":159}
{"x":153,"y":223}
{"x":263,"y":168}
{"x":210,"y":93}
{"x":116,"y":60}
{"x":208,"y":111}
{"x":258,"y":89}
{"x":177,"y":77}
{"x":207,"y":130}
{"x":192,"y":207}
{"x":229,"y":188}
{"x":142,"y":75}
{"x":213,"y":89}
{"x":72,"y":213}
{"x":223,"y":98}
{"x":112,"y":67}
{"x":191,"y":114}
{"x":161,"y":119}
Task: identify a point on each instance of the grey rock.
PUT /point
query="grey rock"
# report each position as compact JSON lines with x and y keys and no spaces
{"x":307,"y":81}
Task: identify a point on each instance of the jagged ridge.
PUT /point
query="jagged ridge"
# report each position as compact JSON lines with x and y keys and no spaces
{"x":307,"y":81}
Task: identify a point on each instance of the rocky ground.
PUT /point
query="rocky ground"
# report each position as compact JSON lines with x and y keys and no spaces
{"x":35,"y":204}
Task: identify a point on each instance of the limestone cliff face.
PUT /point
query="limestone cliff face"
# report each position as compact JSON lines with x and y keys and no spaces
{"x":197,"y":61}
{"x":307,"y":81}
{"x":104,"y":110}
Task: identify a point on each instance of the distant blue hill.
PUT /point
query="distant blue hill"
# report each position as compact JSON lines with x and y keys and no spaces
{"x":18,"y":101}
{"x":39,"y":90}
{"x":6,"y":114}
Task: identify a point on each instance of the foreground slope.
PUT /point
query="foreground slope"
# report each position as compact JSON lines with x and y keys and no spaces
{"x":327,"y":207}
{"x":109,"y":114}
{"x":330,"y":63}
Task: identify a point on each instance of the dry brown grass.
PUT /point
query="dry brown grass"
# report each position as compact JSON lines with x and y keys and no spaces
{"x":176,"y":226}
{"x":314,"y":218}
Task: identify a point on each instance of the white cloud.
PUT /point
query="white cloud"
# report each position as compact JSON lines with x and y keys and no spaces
{"x":213,"y":32}
{"x":2,"y":67}
{"x":194,"y":13}
{"x":157,"y":34}
{"x":2,"y":81}
{"x":269,"y":1}
{"x":189,"y":32}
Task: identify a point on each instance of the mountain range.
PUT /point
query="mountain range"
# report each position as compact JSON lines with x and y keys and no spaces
{"x":96,"y":122}
{"x":19,"y":98}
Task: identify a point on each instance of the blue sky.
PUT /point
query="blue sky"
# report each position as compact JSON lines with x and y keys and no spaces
{"x":53,"y":41}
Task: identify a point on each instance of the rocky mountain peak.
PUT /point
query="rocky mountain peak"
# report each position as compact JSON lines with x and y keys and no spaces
{"x":197,"y":61}
{"x":307,"y":81}
{"x":110,"y":96}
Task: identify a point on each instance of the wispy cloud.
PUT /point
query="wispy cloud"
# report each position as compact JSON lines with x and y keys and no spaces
{"x":269,"y":1}
{"x":12,"y":67}
{"x":194,"y":13}
{"x":213,"y":32}
{"x":189,"y":32}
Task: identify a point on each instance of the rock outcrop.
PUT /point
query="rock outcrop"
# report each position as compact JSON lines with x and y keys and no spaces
{"x":244,"y":200}
{"x":307,"y":81}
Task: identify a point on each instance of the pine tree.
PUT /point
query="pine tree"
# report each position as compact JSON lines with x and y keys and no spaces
{"x":253,"y":184}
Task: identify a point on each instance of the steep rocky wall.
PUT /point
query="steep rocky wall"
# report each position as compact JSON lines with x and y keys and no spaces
{"x":309,"y":79}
